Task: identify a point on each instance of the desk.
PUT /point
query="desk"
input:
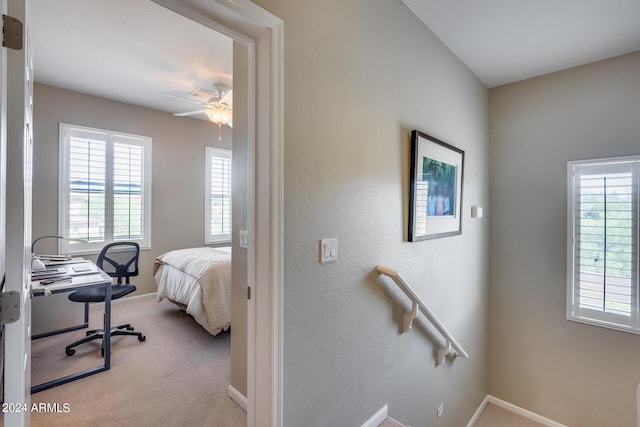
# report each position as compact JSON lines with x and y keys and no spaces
{"x":79,"y":280}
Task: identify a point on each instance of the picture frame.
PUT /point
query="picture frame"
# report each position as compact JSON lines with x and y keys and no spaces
{"x":435,"y":190}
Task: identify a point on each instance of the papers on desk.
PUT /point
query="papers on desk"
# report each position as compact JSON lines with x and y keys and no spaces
{"x":48,"y":273}
{"x":63,"y":280}
{"x":82,"y":268}
{"x":53,"y":263}
{"x":57,"y":275}
{"x":51,"y":276}
{"x":53,"y":258}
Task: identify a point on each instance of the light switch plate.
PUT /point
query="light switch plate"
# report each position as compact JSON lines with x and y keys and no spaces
{"x":328,"y":250}
{"x":244,"y":239}
{"x":476,"y":212}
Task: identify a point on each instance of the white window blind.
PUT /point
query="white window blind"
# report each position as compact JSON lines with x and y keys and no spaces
{"x":218,"y":195}
{"x":87,"y":186}
{"x":128,"y":192}
{"x":603,"y":242}
{"x":105,"y":188}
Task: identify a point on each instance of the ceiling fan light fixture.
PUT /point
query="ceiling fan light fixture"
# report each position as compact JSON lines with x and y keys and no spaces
{"x":219,"y":113}
{"x":217,"y":104}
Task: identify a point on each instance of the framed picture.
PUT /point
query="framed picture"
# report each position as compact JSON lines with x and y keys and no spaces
{"x":435,"y":192}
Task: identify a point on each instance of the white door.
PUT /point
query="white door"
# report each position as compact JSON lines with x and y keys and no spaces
{"x":18,"y":113}
{"x":3,"y":183}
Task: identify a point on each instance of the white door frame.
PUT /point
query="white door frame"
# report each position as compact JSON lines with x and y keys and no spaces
{"x":19,"y":88}
{"x":262,"y":33}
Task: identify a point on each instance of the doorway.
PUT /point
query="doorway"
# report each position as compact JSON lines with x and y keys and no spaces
{"x":261,"y":33}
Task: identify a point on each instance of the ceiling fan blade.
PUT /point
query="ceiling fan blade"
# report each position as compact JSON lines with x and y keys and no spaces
{"x":183,"y":98}
{"x":188,"y":113}
{"x":228,"y":98}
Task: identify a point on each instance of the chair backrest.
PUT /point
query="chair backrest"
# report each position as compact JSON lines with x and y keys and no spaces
{"x":116,"y":268}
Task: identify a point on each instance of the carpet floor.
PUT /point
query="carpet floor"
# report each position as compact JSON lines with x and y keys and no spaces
{"x":391,"y":422}
{"x":177,"y":377}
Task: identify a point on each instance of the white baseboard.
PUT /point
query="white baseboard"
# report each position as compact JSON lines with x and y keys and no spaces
{"x":638,"y":405}
{"x":513,"y":408}
{"x":237,"y":397}
{"x":474,"y":419}
{"x":135,"y":297}
{"x":377,"y":418}
{"x":125,"y":299}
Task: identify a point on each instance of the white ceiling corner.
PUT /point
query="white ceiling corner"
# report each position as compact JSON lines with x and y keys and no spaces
{"x":503,"y":41}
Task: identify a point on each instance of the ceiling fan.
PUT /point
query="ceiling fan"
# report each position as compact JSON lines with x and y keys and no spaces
{"x":217,"y":104}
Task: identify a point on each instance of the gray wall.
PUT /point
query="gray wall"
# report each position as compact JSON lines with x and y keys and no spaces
{"x":178,"y":167}
{"x":577,"y":374}
{"x":239,"y":220}
{"x":359,"y":75}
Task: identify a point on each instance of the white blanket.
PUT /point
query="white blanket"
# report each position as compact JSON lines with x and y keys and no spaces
{"x":199,"y":280}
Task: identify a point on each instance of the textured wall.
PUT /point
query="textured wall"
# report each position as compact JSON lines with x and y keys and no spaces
{"x":359,"y":75}
{"x":577,"y":374}
{"x":178,"y":167}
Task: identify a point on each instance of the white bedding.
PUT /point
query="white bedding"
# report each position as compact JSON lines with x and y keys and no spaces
{"x":198,"y":280}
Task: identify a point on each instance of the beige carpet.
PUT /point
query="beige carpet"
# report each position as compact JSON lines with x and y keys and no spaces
{"x":496,"y":416}
{"x":177,"y":377}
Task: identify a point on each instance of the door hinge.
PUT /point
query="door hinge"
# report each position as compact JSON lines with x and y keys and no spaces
{"x":9,"y":307}
{"x":248,"y":292}
{"x":12,"y":31}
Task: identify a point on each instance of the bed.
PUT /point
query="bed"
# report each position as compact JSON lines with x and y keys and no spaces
{"x":198,"y":280}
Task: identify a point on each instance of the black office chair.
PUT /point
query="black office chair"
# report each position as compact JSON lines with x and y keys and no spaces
{"x":97,"y":294}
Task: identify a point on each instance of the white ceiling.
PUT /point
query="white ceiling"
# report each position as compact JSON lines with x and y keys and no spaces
{"x":503,"y":41}
{"x":128,"y":51}
{"x":133,"y":51}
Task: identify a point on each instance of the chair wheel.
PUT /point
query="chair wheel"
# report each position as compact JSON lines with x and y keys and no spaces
{"x":70,"y":351}
{"x":129,"y":328}
{"x":142,"y":338}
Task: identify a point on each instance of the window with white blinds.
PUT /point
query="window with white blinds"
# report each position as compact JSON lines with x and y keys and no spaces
{"x":105,"y":188}
{"x":603,"y":213}
{"x":218,"y":196}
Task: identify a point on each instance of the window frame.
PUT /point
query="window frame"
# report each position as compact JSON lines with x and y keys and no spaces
{"x":209,"y":238}
{"x":67,"y":131}
{"x":574,"y":311}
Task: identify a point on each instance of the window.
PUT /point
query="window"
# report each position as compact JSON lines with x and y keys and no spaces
{"x":218,"y":196}
{"x":105,"y":188}
{"x":603,"y":213}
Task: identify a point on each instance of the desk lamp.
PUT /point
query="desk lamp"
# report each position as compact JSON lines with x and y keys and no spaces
{"x":36,"y":264}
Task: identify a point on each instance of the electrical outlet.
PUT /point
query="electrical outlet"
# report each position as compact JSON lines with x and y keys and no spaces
{"x":440,"y":409}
